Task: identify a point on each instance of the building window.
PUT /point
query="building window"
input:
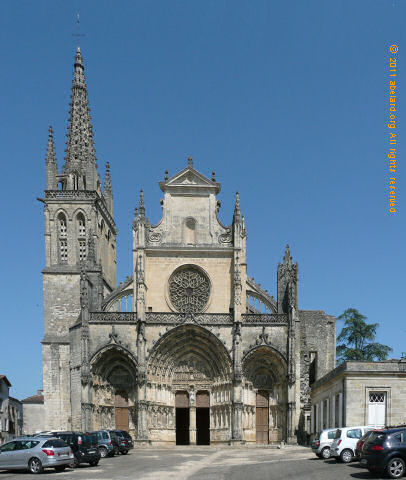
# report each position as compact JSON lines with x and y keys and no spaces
{"x":190,"y":231}
{"x":62,"y":237}
{"x":62,"y":225}
{"x":377,"y":409}
{"x":82,"y":250}
{"x":63,"y":250}
{"x":81,"y":225}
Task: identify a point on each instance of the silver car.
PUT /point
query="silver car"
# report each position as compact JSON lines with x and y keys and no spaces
{"x":35,"y":454}
{"x":322,"y":443}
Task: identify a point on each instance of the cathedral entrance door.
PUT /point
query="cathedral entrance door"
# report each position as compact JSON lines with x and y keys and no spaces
{"x":203,"y":418}
{"x":121,"y":409}
{"x":182,"y":418}
{"x":262,"y":417}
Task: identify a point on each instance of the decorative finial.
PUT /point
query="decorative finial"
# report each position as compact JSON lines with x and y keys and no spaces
{"x":190,"y":162}
{"x":107,"y":180}
{"x":166,"y":175}
{"x":50,"y":157}
{"x":136,"y":212}
{"x":213,"y":176}
{"x":287,"y":257}
{"x":237,"y":210}
{"x":142,"y":206}
{"x":91,"y":248}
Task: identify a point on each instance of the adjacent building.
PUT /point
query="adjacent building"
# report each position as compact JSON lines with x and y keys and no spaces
{"x":11,"y":413}
{"x":33,"y":413}
{"x":360,"y":393}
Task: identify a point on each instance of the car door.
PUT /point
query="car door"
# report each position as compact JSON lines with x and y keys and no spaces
{"x":7,"y":455}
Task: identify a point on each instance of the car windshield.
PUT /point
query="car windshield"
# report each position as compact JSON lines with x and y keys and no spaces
{"x":126,"y":435}
{"x":56,"y":443}
{"x":338,"y":434}
{"x":376,"y":438}
{"x":89,"y":439}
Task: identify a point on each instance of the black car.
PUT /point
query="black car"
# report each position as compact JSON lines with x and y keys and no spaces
{"x":84,"y":447}
{"x":385,"y":452}
{"x":125,"y":441}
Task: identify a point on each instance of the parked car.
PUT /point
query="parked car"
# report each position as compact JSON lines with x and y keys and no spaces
{"x":125,"y":441}
{"x":84,"y":447}
{"x":345,"y":441}
{"x":360,"y":444}
{"x":322,"y":443}
{"x":108,"y":443}
{"x":385,"y":452}
{"x":35,"y":454}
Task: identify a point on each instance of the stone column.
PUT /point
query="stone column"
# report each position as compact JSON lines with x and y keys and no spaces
{"x":192,"y":425}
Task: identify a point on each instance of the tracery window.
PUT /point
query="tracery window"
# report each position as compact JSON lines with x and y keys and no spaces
{"x":62,"y":238}
{"x":81,"y":232}
{"x":189,"y":289}
{"x":63,"y":250}
{"x":82,"y":250}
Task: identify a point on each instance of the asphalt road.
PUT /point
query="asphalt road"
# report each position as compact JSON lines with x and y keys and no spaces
{"x":210,"y":463}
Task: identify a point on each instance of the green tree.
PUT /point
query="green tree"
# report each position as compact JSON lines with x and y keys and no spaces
{"x":356,"y":339}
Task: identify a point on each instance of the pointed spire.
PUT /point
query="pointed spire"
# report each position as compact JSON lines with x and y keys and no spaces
{"x":80,"y":152}
{"x":142,"y":206}
{"x":287,"y":259}
{"x":91,"y":249}
{"x":50,"y":161}
{"x":107,"y":180}
{"x":237,"y":210}
{"x":108,"y":192}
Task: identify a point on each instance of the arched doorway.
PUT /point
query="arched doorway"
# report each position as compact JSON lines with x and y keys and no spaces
{"x":265,"y":391}
{"x":203,"y":418}
{"x":114,"y":389}
{"x":182,"y":415}
{"x":190,"y":359}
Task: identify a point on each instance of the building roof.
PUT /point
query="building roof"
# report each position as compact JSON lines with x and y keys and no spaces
{"x":34,"y":399}
{"x":3,"y":377}
{"x":363,"y":368}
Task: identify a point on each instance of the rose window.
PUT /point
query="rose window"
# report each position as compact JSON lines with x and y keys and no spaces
{"x":189,"y":290}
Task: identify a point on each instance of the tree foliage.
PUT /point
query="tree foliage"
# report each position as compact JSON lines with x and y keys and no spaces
{"x":357,"y":339}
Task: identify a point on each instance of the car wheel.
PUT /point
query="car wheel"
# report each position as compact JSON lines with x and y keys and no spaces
{"x":103,"y":452}
{"x":395,"y":468}
{"x":61,"y":468}
{"x":325,"y":453}
{"x":74,"y":463}
{"x":124,"y":452}
{"x":346,"y":455}
{"x":93,"y":463}
{"x":35,"y":465}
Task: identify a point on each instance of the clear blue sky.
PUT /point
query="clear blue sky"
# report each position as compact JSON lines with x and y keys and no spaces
{"x":286,"y":100}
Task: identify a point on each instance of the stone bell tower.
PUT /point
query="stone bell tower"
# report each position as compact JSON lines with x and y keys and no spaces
{"x":80,"y":236}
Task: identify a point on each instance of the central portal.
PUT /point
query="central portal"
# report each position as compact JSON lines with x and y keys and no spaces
{"x":182,"y":418}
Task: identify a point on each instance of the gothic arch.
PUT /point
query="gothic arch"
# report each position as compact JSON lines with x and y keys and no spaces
{"x":79,"y":210}
{"x":189,"y":343}
{"x":264,"y":360}
{"x":58,"y":212}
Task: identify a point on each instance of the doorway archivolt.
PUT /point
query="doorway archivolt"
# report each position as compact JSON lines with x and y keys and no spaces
{"x":114,"y":374}
{"x":190,"y":359}
{"x":265,"y":395}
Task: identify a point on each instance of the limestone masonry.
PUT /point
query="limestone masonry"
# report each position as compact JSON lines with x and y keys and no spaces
{"x":189,"y":349}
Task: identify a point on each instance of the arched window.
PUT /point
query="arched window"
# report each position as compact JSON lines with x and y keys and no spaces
{"x":81,"y":231}
{"x":62,"y":238}
{"x":75,"y":181}
{"x":190,"y":231}
{"x":81,"y":225}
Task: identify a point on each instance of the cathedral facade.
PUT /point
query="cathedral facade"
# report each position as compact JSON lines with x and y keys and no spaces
{"x":189,"y":349}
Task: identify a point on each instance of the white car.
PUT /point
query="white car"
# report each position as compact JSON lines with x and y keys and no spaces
{"x":345,"y":441}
